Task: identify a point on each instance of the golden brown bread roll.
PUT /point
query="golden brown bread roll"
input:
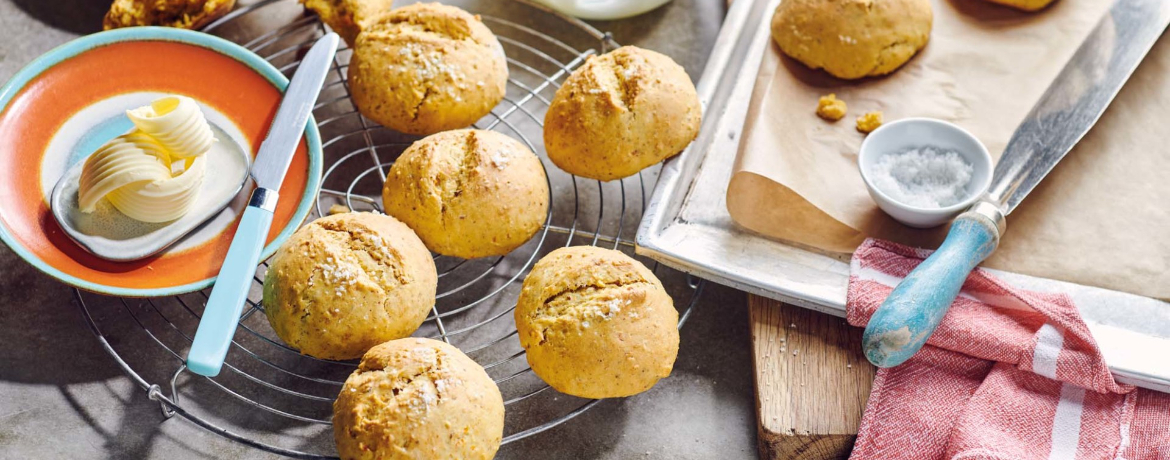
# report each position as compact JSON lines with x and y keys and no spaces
{"x":426,"y":68}
{"x":346,"y":17}
{"x":468,"y":193}
{"x":596,"y":323}
{"x":418,"y":399}
{"x":182,"y":14}
{"x":620,"y":113}
{"x":1026,"y":5}
{"x":852,"y":39}
{"x":347,"y":282}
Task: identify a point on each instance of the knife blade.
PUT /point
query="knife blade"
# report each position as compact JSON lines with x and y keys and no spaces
{"x":1078,"y":97}
{"x":222,"y":313}
{"x":276,"y":152}
{"x":1066,"y":111}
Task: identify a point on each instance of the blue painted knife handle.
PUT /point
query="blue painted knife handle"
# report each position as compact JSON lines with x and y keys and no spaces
{"x":908,"y":317}
{"x":222,"y":313}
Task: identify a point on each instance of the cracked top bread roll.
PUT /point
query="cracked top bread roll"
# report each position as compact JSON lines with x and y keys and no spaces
{"x":418,"y":399}
{"x":426,"y":68}
{"x":347,"y":17}
{"x":852,"y":39}
{"x":468,"y":193}
{"x":182,"y":14}
{"x":620,"y":113}
{"x":344,"y":283}
{"x":596,"y":323}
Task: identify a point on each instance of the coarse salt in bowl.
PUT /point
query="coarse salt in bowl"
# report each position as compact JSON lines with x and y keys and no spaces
{"x":923,"y":172}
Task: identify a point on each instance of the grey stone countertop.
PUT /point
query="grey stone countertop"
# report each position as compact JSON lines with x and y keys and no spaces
{"x":62,"y":396}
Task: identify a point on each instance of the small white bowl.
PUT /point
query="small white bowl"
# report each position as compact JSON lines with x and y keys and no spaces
{"x":910,"y":133}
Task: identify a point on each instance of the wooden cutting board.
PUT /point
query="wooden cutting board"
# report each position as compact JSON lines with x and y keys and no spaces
{"x":812,"y":381}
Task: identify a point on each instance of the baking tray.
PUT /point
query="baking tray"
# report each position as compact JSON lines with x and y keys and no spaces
{"x":687,"y":226}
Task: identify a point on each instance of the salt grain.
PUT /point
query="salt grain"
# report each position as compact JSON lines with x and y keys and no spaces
{"x":340,"y":277}
{"x":926,"y":177}
{"x":500,"y":159}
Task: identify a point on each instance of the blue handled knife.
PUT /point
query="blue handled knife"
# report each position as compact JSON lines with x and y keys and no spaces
{"x":1067,"y":110}
{"x":222,"y":314}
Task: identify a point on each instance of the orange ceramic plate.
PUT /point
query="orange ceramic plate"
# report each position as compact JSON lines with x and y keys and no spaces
{"x":62,"y":106}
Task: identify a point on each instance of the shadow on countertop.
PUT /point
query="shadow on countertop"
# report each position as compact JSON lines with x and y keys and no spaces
{"x":75,"y":16}
{"x":44,"y":341}
{"x":44,"y":337}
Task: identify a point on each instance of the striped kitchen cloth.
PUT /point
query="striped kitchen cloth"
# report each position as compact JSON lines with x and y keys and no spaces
{"x":1009,"y":374}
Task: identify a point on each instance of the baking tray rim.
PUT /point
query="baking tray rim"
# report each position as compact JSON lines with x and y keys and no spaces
{"x":715,"y":248}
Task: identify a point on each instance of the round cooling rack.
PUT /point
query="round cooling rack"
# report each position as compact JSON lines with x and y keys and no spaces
{"x":271,"y":397}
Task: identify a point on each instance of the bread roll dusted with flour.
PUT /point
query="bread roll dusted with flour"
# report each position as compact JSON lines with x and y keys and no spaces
{"x":620,"y":113}
{"x":468,"y":193}
{"x":344,"y":283}
{"x":596,"y":323}
{"x":426,"y":68}
{"x":181,"y":14}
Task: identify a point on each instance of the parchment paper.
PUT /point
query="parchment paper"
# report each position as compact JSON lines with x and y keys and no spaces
{"x":1101,"y":218}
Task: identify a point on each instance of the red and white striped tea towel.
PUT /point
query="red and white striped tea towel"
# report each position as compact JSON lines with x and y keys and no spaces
{"x":1009,"y":374}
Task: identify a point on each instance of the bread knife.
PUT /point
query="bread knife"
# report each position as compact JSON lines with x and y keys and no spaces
{"x":224,"y":305}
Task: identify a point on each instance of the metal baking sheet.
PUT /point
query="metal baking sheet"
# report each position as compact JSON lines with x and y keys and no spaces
{"x":686,"y":224}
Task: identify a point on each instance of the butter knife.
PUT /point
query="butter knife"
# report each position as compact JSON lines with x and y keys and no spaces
{"x":222,"y":313}
{"x":1067,"y":110}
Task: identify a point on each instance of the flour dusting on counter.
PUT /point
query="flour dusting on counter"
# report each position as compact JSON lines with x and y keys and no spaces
{"x":925,"y":177}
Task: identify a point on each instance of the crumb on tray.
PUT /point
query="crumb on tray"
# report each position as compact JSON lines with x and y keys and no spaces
{"x":830,"y":108}
{"x":869,"y":122}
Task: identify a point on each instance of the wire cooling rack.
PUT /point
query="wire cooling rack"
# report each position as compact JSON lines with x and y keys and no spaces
{"x":270,"y":396}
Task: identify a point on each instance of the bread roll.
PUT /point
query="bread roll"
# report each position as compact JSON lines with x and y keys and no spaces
{"x":426,"y":68}
{"x":468,"y":193}
{"x":620,"y":113}
{"x":852,"y":39}
{"x":347,"y":17}
{"x":181,"y":14}
{"x":344,"y":283}
{"x":1026,"y":5}
{"x":418,"y":399}
{"x":596,"y":323}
